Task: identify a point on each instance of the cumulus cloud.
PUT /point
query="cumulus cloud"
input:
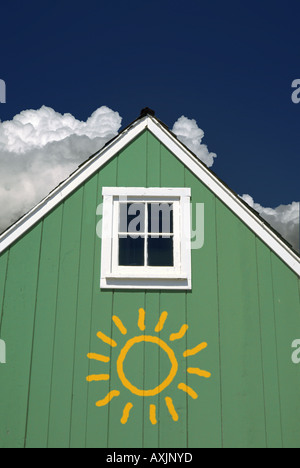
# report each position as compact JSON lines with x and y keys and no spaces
{"x":284,"y":219}
{"x":188,"y":132}
{"x":40,"y":148}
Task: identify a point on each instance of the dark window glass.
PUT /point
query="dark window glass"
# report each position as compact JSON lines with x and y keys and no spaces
{"x":160,"y":252}
{"x":160,"y":217}
{"x":131,"y":251}
{"x":132,"y":217}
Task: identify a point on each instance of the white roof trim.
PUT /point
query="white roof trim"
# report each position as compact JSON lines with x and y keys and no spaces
{"x":184,"y":155}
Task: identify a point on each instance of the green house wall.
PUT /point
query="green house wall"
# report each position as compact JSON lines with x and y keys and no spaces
{"x":245,"y":304}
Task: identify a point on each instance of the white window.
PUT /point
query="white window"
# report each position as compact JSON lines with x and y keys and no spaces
{"x":146,"y":238}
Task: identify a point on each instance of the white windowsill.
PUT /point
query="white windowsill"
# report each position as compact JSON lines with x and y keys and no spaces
{"x":178,"y":276}
{"x":114,"y":276}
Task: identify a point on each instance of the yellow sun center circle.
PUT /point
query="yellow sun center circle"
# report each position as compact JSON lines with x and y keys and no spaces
{"x":164,"y":347}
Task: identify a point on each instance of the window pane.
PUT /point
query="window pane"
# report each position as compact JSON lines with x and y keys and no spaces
{"x":160,"y":251}
{"x":160,"y":217}
{"x":132,"y":217}
{"x":131,"y":251}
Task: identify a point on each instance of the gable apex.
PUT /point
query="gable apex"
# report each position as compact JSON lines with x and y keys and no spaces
{"x":148,"y":121}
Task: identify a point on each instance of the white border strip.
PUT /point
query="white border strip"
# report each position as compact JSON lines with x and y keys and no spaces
{"x":174,"y":145}
{"x":69,"y":185}
{"x":146,"y":192}
{"x":229,"y":199}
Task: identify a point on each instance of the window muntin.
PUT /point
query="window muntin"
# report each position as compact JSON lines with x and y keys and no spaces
{"x":146,"y":234}
{"x":146,"y":238}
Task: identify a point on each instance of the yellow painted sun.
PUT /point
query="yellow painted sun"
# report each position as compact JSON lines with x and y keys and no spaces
{"x":163,"y":385}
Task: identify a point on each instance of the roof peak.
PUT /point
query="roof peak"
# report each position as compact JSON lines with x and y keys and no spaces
{"x":184,"y":155}
{"x":147,"y":111}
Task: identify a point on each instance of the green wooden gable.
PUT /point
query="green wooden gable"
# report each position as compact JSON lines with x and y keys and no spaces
{"x":222,"y":349}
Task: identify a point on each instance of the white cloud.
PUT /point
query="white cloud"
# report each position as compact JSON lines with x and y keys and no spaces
{"x":41,"y":148}
{"x":284,"y":219}
{"x":188,"y":132}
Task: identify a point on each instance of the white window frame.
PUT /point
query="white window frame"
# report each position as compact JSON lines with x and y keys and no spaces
{"x":114,"y":276}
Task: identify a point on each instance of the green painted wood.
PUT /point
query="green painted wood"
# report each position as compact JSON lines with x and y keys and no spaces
{"x":83,"y":313}
{"x":97,"y":418}
{"x":65,"y":326}
{"x":152,"y":371}
{"x":126,"y":306}
{"x":241,"y":361}
{"x":173,"y":434}
{"x":17,"y":330}
{"x":101,"y":320}
{"x":132,"y":163}
{"x":203,"y":321}
{"x":3,"y":273}
{"x":269,"y":347}
{"x":152,"y":374}
{"x":41,"y":371}
{"x":172,"y":171}
{"x":153,"y":161}
{"x":245,"y":304}
{"x":287,"y":313}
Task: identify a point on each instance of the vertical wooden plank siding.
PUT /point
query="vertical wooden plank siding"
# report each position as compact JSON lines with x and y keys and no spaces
{"x":152,"y":373}
{"x":287,"y":315}
{"x":173,"y":433}
{"x":126,"y":307}
{"x":203,"y":321}
{"x":3,"y":276}
{"x":153,"y":161}
{"x":130,"y":433}
{"x":101,"y":321}
{"x":269,"y":347}
{"x":63,"y":352}
{"x":85,"y":290}
{"x":64,"y":336}
{"x":17,"y":327}
{"x":242,"y":387}
{"x":41,"y":370}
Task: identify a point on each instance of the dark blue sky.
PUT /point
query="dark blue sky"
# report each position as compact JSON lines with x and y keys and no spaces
{"x":229,"y":65}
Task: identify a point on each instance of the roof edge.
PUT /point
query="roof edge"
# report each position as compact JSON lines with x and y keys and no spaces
{"x":66,"y":187}
{"x":158,"y":129}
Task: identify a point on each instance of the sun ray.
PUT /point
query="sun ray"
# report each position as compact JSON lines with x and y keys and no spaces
{"x":98,"y":357}
{"x":107,"y":340}
{"x":108,"y":398}
{"x":171,"y":409}
{"x":180,"y":334}
{"x":119,"y":325}
{"x":141,"y":322}
{"x":199,"y":372}
{"x":97,"y":378}
{"x":153,"y":419}
{"x":126,"y":413}
{"x":188,"y":390}
{"x":196,"y":350}
{"x":161,"y":322}
{"x":121,"y":370}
